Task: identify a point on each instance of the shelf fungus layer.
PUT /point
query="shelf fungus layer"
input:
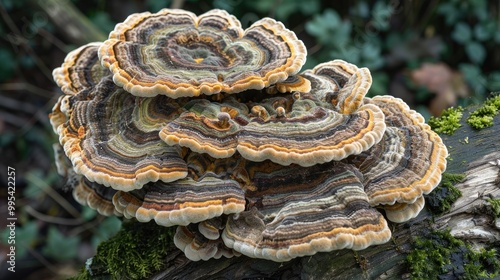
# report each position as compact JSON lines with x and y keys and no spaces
{"x":406,"y":164}
{"x":295,"y":83}
{"x":93,"y":195}
{"x":111,"y":137}
{"x":340,"y":83}
{"x":296,"y":211}
{"x":310,"y":134}
{"x":81,"y":70}
{"x":281,"y":129}
{"x":182,"y":202}
{"x":176,"y":53}
{"x":207,"y":127}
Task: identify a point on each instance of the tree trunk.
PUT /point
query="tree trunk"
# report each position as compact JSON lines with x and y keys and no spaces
{"x":474,"y":153}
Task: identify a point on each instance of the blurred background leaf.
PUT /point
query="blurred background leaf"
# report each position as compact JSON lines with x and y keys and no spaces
{"x":60,"y":247}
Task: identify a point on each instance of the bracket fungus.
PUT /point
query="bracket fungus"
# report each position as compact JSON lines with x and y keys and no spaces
{"x":193,"y":122}
{"x":182,"y":202}
{"x":176,"y":53}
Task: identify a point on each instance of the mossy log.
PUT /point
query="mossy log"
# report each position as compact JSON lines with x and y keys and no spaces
{"x":456,"y":240}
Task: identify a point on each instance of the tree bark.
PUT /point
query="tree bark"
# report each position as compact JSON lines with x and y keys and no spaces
{"x":474,"y":153}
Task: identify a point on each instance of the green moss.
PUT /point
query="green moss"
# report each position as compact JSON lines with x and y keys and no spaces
{"x":483,"y":264}
{"x":137,"y":251}
{"x":483,"y":116}
{"x":445,"y":194}
{"x":439,"y":255}
{"x":448,"y":122}
{"x":495,"y":206}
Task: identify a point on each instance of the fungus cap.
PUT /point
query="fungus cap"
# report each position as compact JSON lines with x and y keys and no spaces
{"x":182,"y":202}
{"x":111,"y":138}
{"x":340,"y":83}
{"x":281,"y":129}
{"x":402,"y":212}
{"x":296,"y":211}
{"x":406,"y":163}
{"x":80,"y":70}
{"x":175,"y":53}
{"x":207,"y":127}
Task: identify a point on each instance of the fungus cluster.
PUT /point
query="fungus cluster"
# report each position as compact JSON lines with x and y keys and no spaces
{"x":193,"y":122}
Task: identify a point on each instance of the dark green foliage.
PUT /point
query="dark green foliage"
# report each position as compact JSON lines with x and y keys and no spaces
{"x":445,"y":194}
{"x":438,"y":255}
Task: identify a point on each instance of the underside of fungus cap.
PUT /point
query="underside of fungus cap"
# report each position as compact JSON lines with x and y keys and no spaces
{"x":294,"y":83}
{"x":182,"y":202}
{"x":95,"y":196}
{"x":407,"y":162}
{"x":80,"y":70}
{"x":111,"y":138}
{"x":197,"y":247}
{"x":402,"y":212}
{"x":296,"y":211}
{"x":177,"y":54}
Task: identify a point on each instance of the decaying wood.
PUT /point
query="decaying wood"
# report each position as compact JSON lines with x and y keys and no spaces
{"x":475,"y":153}
{"x":466,"y":219}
